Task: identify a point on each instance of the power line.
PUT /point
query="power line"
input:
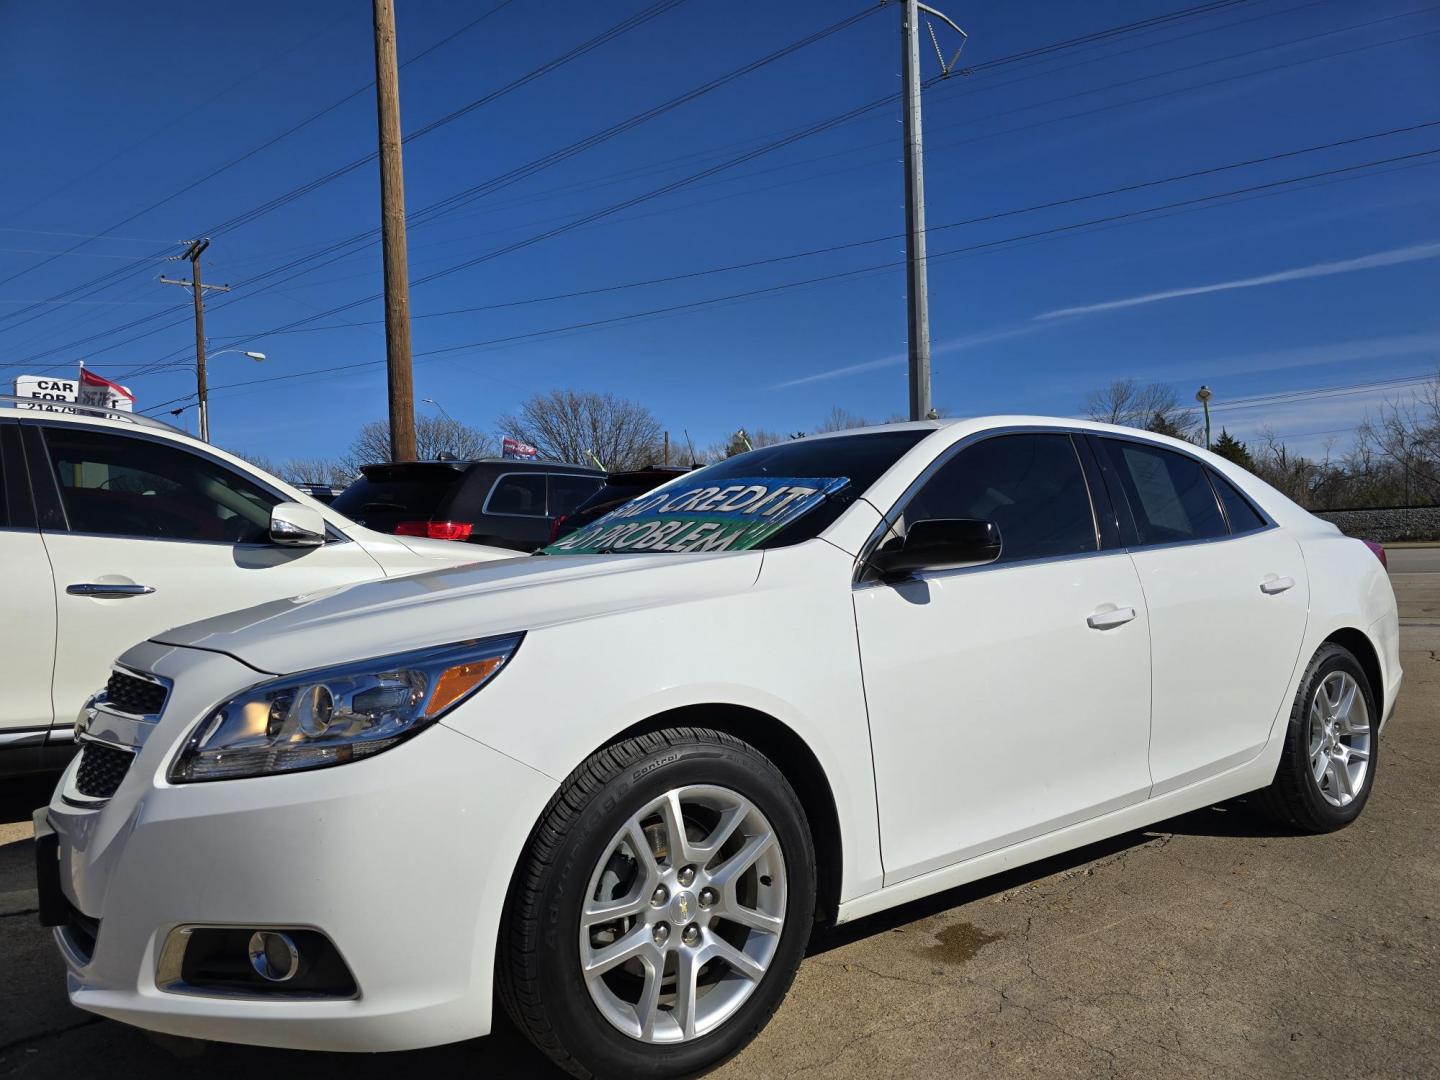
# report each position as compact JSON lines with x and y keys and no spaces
{"x":262,"y":146}
{"x":931,"y":231}
{"x":791,"y":137}
{"x":953,"y":252}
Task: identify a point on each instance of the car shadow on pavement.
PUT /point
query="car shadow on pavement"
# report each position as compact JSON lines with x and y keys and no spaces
{"x":1231,"y":819}
{"x":21,"y":795}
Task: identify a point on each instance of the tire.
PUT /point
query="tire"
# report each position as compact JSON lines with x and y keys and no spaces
{"x":1297,"y":797}
{"x":581,"y":852}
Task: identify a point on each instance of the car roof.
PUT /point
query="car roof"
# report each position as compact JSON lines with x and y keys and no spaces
{"x":71,"y":410}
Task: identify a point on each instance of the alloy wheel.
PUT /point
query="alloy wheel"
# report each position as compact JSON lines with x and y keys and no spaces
{"x":1339,"y":738}
{"x":683,"y":914}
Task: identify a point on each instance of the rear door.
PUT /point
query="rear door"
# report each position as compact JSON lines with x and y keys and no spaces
{"x":144,"y":534}
{"x":1228,"y":599}
{"x":27,"y":633}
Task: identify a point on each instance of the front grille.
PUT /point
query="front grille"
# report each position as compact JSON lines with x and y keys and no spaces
{"x":131,"y":694}
{"x":101,"y":770}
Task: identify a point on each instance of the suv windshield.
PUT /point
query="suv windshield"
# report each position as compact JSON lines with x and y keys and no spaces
{"x":845,"y":465}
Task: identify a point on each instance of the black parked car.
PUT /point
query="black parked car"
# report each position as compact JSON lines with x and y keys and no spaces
{"x":620,"y":488}
{"x":495,"y":501}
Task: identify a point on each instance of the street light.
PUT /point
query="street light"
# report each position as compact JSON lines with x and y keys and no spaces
{"x":443,"y":412}
{"x":1203,"y":396}
{"x":205,"y":397}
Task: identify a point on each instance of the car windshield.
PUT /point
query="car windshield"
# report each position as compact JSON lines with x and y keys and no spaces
{"x":810,"y":481}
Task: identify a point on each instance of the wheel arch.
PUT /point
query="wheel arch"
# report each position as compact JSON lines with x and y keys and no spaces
{"x":1365,"y":653}
{"x":795,"y":759}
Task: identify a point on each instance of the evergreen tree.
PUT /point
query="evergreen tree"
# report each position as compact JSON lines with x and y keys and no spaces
{"x":1232,"y":449}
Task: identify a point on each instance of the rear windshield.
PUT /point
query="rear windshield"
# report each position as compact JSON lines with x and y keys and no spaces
{"x":385,"y":496}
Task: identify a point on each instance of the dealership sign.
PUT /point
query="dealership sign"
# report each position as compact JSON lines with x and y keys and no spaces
{"x":727,"y":515}
{"x":52,"y":392}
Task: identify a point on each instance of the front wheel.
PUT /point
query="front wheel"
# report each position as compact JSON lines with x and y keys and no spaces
{"x":1327,"y":767}
{"x":662,"y":909}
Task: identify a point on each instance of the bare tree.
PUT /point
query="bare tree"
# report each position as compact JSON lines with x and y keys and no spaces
{"x":1152,"y":406}
{"x":839,"y":419}
{"x":318,"y":470}
{"x":434,"y":435}
{"x":569,"y":425}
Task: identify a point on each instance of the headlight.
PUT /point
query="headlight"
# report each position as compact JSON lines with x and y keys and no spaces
{"x":338,"y":714}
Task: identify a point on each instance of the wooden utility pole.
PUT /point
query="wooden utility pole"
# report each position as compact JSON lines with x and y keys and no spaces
{"x":392,"y":224}
{"x":193,"y":253}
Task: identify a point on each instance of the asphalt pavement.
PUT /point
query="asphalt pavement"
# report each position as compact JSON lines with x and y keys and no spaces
{"x":1212,"y":945}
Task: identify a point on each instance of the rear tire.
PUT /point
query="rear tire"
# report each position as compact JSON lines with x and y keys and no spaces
{"x":1327,"y":767}
{"x":738,"y":915}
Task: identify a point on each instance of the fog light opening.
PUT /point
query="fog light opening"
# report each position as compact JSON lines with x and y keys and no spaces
{"x":273,"y":955}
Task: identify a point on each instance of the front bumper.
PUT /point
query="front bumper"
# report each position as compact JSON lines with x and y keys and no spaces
{"x":403,"y":860}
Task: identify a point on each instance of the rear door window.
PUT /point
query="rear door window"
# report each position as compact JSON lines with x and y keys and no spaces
{"x":1243,"y":516}
{"x":387,"y":495}
{"x":518,"y":494}
{"x":568,"y":492}
{"x":1169,"y":494}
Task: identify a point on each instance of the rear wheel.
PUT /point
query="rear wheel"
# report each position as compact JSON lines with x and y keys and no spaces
{"x":663,"y":908}
{"x":1327,"y":768}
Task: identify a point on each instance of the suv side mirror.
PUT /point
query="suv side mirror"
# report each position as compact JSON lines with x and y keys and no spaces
{"x":295,"y":525}
{"x":939,"y":544}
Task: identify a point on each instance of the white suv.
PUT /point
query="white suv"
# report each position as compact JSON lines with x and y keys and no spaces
{"x":114,"y":527}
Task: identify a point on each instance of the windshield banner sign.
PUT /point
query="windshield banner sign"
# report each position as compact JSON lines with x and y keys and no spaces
{"x":731,"y":515}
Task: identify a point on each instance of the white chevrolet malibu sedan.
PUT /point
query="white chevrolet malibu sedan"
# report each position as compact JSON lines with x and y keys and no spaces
{"x":616,"y":785}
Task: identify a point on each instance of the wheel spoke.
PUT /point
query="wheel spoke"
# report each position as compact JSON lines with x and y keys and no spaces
{"x":648,"y":1007}
{"x":1319,"y":762}
{"x":644,"y":853}
{"x":1349,"y":692}
{"x":1340,"y":779}
{"x":720,"y":949}
{"x":687,"y":995}
{"x":728,"y":871}
{"x":604,"y":911}
{"x":636,"y":943}
{"x":724,"y":829}
{"x":679,"y":844}
{"x":751,"y":918}
{"x":1354,"y":753}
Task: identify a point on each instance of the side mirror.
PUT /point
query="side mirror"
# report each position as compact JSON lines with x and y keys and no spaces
{"x":939,"y":544}
{"x":294,"y":525}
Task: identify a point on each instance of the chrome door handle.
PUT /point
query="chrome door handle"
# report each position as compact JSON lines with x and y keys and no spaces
{"x":1112,"y":616}
{"x":1272,"y":585}
{"x":97,"y":589}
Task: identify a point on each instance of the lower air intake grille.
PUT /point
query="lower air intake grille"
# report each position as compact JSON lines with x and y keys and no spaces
{"x":101,"y":770}
{"x":136,"y":696}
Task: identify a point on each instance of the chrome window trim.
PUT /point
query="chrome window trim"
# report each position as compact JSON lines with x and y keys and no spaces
{"x":887,"y":518}
{"x":543,"y":474}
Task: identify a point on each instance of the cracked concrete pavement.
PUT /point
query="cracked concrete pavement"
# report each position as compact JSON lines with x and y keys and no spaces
{"x":1212,"y":945}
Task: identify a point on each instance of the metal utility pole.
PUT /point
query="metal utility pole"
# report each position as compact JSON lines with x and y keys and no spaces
{"x":392,"y":226}
{"x":197,"y":287}
{"x":916,"y":286}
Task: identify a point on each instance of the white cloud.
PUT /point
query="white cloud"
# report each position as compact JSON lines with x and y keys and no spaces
{"x":900,"y":359}
{"x":1394,"y":257}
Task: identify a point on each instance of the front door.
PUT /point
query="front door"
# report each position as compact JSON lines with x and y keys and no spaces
{"x":1011,"y":699}
{"x":150,"y":535}
{"x":27,"y":634}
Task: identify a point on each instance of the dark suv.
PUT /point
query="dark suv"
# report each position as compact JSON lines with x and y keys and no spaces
{"x":619,"y":488}
{"x":495,"y":501}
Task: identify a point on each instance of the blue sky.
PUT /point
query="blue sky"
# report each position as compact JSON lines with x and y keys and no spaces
{"x":1331,"y":282}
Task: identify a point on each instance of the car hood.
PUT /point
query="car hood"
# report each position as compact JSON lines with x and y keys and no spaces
{"x":391,"y":615}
